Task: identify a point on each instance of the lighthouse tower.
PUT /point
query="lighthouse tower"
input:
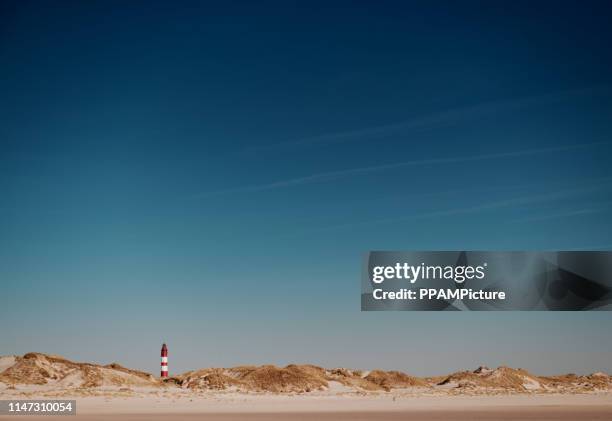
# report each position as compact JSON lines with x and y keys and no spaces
{"x":164,"y":361}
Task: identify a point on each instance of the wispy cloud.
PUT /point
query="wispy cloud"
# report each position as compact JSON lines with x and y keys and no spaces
{"x":334,"y":175}
{"x":600,"y":247}
{"x":443,"y":118}
{"x":560,"y":215}
{"x":483,"y":207}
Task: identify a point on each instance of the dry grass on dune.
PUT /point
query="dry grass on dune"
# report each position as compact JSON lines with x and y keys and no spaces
{"x":57,"y":373}
{"x":295,"y":378}
{"x":520,"y":380}
{"x":353,"y":379}
{"x":500,"y":378}
{"x":40,"y":369}
{"x":576,"y":383}
{"x":269,"y":378}
{"x":394,"y":379}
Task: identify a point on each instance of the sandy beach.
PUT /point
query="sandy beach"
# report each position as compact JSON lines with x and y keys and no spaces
{"x":384,"y":407}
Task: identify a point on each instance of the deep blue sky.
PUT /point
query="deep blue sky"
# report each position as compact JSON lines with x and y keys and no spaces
{"x":211,"y":176}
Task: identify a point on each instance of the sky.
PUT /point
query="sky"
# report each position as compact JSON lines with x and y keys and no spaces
{"x":211,"y":175}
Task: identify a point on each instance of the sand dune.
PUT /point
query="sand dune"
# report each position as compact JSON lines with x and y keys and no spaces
{"x":304,"y":392}
{"x":36,"y":371}
{"x":60,"y":373}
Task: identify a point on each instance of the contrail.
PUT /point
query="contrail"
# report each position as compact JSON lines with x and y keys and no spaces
{"x":499,"y":204}
{"x":561,"y":215}
{"x":333,"y":175}
{"x":434,"y":119}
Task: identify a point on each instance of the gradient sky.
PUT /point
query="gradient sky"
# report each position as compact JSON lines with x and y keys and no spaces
{"x":210,"y":176}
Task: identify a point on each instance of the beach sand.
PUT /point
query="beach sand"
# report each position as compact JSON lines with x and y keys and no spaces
{"x":228,"y":407}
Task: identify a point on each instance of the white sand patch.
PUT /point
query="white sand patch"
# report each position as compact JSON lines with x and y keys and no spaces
{"x":72,"y":380}
{"x":531,"y":384}
{"x":337,"y":387}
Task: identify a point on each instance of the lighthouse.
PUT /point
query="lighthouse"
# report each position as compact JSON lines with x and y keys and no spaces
{"x":164,"y":361}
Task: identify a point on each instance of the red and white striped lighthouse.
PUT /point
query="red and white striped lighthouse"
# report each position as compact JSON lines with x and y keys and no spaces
{"x":164,"y":361}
